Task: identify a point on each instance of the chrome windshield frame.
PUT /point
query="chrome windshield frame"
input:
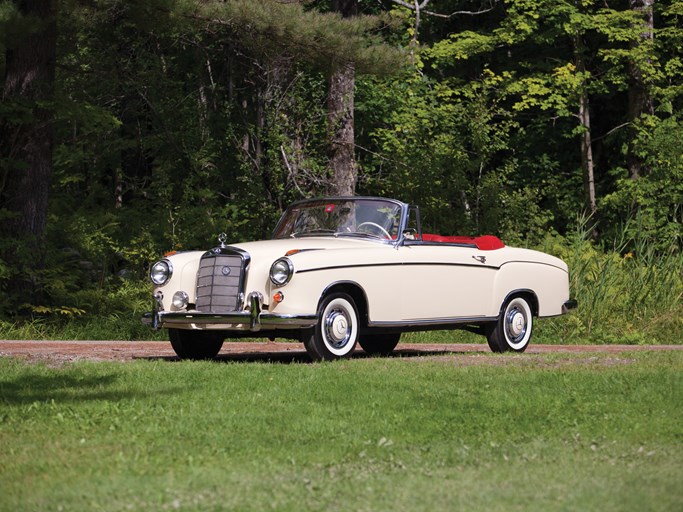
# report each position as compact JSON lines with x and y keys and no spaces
{"x":402,"y":221}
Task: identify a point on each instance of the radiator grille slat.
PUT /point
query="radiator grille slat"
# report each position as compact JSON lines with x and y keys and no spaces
{"x":218,"y":283}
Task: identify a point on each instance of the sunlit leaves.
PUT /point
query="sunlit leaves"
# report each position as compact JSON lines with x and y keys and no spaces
{"x":461,"y":46}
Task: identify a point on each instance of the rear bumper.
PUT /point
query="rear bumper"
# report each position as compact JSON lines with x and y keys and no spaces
{"x":569,"y":305}
{"x":252,"y":319}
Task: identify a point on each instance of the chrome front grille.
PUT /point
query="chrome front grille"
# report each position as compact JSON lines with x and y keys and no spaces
{"x":219,"y":283}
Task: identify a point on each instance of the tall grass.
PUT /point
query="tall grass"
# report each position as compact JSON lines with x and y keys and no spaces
{"x":631,"y":292}
{"x":108,"y":313}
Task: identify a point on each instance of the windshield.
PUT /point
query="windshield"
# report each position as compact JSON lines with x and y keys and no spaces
{"x":370,"y":218}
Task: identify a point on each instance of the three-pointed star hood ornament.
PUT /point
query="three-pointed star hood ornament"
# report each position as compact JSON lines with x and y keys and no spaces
{"x":222,"y":238}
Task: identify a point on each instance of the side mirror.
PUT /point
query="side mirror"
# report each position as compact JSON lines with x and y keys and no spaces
{"x":410,"y":234}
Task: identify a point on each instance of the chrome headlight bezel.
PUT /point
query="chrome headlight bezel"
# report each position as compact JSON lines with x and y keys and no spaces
{"x":281,"y":271}
{"x":161,"y":272}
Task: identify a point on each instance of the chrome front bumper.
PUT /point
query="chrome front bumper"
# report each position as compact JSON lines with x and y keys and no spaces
{"x":252,"y":319}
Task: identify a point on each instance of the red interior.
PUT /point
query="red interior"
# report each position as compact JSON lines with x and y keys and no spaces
{"x":483,"y":243}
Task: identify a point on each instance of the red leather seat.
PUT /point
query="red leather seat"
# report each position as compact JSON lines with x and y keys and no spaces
{"x":483,"y":243}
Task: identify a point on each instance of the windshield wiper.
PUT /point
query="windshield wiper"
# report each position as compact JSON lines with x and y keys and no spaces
{"x":361,"y":234}
{"x":314,"y":232}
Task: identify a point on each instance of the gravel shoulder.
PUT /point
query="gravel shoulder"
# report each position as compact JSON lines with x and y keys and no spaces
{"x":60,"y":352}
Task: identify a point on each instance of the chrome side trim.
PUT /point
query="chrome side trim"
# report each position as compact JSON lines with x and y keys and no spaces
{"x":401,"y":264}
{"x":418,"y":322}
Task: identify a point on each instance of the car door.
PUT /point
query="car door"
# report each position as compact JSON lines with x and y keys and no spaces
{"x":445,"y":282}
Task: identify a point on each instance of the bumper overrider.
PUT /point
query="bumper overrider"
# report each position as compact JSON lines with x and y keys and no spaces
{"x":569,"y":305}
{"x":251,"y":319}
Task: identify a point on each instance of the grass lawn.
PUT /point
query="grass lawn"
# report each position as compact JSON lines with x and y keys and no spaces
{"x":544,"y":432}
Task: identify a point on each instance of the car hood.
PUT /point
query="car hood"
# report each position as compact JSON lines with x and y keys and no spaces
{"x":273,"y":249}
{"x":264,"y":253}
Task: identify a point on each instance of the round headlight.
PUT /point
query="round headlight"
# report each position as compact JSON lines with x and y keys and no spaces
{"x":281,"y":272}
{"x":180,"y":299}
{"x":161,"y":272}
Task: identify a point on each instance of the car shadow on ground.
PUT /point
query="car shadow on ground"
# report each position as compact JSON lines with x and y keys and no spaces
{"x":301,"y":357}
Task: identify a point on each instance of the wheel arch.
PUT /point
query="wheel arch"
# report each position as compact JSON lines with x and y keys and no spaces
{"x":355,"y":291}
{"x":525,"y":293}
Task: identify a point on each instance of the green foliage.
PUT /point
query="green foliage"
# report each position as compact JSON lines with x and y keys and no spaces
{"x":656,"y":199}
{"x":13,"y":27}
{"x":63,"y":311}
{"x":177,"y":120}
{"x":267,"y":27}
{"x":468,"y":153}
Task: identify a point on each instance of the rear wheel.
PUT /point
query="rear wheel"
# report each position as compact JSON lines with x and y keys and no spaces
{"x":512,"y":331}
{"x":336,"y":334}
{"x":196,"y":344}
{"x":379,"y":344}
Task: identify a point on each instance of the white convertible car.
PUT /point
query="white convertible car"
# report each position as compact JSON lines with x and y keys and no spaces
{"x":354,"y":270}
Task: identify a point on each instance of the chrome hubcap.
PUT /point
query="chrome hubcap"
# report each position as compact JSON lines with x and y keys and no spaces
{"x":516,"y":324}
{"x":338,"y":328}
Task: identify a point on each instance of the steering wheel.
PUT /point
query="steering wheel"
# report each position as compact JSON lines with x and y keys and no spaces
{"x":376,"y":226}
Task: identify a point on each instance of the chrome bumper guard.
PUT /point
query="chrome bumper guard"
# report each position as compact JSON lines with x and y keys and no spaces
{"x":569,"y":305}
{"x":252,"y":319}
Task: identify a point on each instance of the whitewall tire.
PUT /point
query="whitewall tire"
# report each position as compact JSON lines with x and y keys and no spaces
{"x":512,"y":331}
{"x":336,"y":334}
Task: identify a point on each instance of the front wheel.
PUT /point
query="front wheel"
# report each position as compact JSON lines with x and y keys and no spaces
{"x":512,"y":331}
{"x":196,"y":344}
{"x":336,"y":334}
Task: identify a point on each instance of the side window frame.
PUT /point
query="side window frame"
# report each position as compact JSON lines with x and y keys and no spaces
{"x":413,"y":226}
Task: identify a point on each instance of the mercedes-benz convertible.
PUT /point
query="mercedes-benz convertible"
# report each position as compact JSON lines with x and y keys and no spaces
{"x":342,"y":272}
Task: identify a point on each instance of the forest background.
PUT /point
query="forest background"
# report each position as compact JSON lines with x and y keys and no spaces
{"x":129,"y":128}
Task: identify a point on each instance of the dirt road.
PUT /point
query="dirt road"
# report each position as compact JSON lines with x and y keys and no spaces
{"x":60,"y":352}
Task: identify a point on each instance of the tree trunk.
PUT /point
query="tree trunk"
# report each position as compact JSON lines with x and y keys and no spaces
{"x":27,"y":142}
{"x":639,"y":98}
{"x":587,"y":154}
{"x":586,"y":145}
{"x":340,"y":118}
